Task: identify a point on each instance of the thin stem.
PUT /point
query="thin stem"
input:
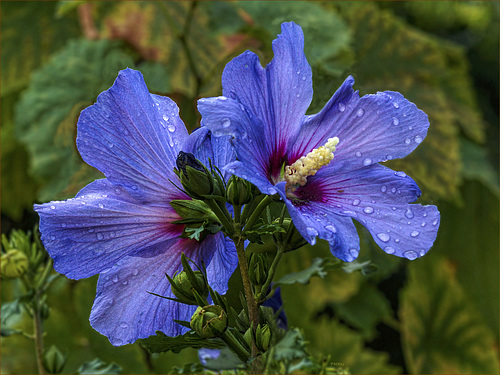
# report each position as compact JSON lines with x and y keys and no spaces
{"x":37,"y":322}
{"x":258,"y":210}
{"x":248,"y":208}
{"x":222,"y":216}
{"x":235,"y":346}
{"x":237,"y":213}
{"x":253,"y":313}
{"x":270,"y":275}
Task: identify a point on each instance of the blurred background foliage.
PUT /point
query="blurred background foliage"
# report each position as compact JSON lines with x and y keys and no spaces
{"x":435,"y":315}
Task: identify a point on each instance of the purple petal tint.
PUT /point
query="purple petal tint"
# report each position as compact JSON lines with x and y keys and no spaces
{"x":265,"y":112}
{"x":121,"y":227}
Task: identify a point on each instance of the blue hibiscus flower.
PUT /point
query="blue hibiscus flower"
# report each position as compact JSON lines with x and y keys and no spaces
{"x":121,"y":227}
{"x":282,"y":150}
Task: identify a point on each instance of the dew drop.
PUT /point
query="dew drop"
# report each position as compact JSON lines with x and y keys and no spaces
{"x":101,"y":205}
{"x":117,"y":342}
{"x":397,"y":240}
{"x":125,"y":282}
{"x":63,"y":225}
{"x":165,"y":117}
{"x":171,"y":143}
{"x":354,"y":253}
{"x":358,"y":154}
{"x":226,"y":123}
{"x":396,"y":105}
{"x":134,"y":187}
{"x":115,"y":279}
{"x":409,"y":213}
{"x":171,"y":128}
{"x":83,"y":202}
{"x":410,"y":254}
{"x":423,"y":224}
{"x":311,"y":231}
{"x":383,"y":237}
{"x":394,"y":208}
{"x":135,"y":272}
{"x":341,"y":107}
{"x":331,"y":228}
{"x":400,"y":174}
{"x":435,"y":222}
{"x":389,"y":157}
{"x":52,"y":207}
{"x":407,"y":141}
{"x":383,"y":189}
{"x":112,"y":234}
{"x":123,"y":325}
{"x":356,"y":202}
{"x":222,"y":98}
{"x":91,"y":230}
{"x":415,"y":233}
{"x":360,"y":112}
{"x":298,"y":95}
{"x":99,"y":236}
{"x":393,"y":190}
{"x":418,"y":139}
{"x":368,"y":210}
{"x":304,"y":78}
{"x":52,"y":237}
{"x":422,"y":253}
{"x":367,"y":162}
{"x":395,"y":121}
{"x":389,"y":250}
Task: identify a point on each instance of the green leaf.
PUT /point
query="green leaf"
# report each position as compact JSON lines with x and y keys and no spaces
{"x":476,"y":165}
{"x":98,"y":366}
{"x":162,"y":343}
{"x":442,"y":331}
{"x":10,"y":314}
{"x":317,"y":268}
{"x":226,"y":360}
{"x":366,"y":268}
{"x":47,"y":113}
{"x":255,"y":234}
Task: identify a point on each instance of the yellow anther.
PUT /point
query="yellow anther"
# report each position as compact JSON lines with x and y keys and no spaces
{"x":297,"y":173}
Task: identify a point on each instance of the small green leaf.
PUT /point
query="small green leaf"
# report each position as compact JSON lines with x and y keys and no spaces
{"x":317,"y":268}
{"x":162,"y":343}
{"x":290,"y":347}
{"x":366,"y":268}
{"x":255,"y":234}
{"x":97,"y":366}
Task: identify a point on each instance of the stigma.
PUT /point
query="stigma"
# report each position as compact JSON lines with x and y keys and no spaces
{"x":297,"y":173}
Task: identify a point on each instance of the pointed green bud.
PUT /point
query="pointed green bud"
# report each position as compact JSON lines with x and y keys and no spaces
{"x":194,"y":211}
{"x":196,"y":179}
{"x":258,"y":268}
{"x":209,"y":321}
{"x":239,"y":191}
{"x":263,"y":337}
{"x":54,"y":360}
{"x":296,"y":239}
{"x":185,"y":285}
{"x":14,"y":264}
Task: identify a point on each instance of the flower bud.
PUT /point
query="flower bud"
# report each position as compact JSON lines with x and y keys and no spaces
{"x":14,"y":264}
{"x":54,"y":360}
{"x":263,"y":337}
{"x":184,"y":286}
{"x":194,"y":211}
{"x":239,"y":191}
{"x":296,"y":240}
{"x":196,"y":179}
{"x":209,"y":321}
{"x":258,"y":268}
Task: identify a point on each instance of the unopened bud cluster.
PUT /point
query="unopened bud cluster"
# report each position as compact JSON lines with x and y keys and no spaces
{"x":209,"y":321}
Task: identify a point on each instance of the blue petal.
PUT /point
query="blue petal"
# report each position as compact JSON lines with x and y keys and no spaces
{"x":123,"y":309}
{"x":315,"y":219}
{"x":371,"y":129}
{"x":133,"y":137}
{"x":103,"y":224}
{"x":278,"y":95}
{"x":205,"y":147}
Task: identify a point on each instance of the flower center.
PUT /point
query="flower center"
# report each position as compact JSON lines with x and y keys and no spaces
{"x":297,"y":173}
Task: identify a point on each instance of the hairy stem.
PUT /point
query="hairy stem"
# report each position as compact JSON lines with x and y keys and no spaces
{"x":37,"y":322}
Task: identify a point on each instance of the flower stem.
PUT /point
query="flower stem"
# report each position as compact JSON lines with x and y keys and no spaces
{"x":253,"y":313}
{"x":270,"y":275}
{"x":258,"y":210}
{"x":235,"y":346}
{"x":37,"y":322}
{"x":222,"y":216}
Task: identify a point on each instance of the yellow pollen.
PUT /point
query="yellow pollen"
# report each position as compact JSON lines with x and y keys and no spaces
{"x":297,"y":173}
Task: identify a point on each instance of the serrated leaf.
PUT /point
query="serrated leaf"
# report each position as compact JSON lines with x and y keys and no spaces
{"x":290,"y":347}
{"x":442,"y":331}
{"x":97,"y":366}
{"x":47,"y":113}
{"x":317,"y":268}
{"x":162,"y":343}
{"x":366,"y":268}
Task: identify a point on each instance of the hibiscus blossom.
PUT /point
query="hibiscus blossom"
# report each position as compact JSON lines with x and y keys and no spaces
{"x":325,"y":167}
{"x":121,"y":227}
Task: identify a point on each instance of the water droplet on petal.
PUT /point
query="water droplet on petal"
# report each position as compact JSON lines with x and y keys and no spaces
{"x":368,"y":210}
{"x":226,"y":123}
{"x":367,"y":161}
{"x":52,"y":207}
{"x":422,"y":253}
{"x":383,"y":189}
{"x":415,"y":233}
{"x":435,"y":222}
{"x":165,"y":117}
{"x":341,"y":107}
{"x":52,"y":237}
{"x":360,"y":112}
{"x":125,"y":282}
{"x":101,"y":205}
{"x":396,"y":240}
{"x":409,"y":213}
{"x":115,"y":279}
{"x":410,"y":254}
{"x":304,"y":78}
{"x":311,"y":231}
{"x":393,"y":190}
{"x":400,"y":174}
{"x":356,"y":202}
{"x":135,"y":272}
{"x":134,"y":187}
{"x":423,"y":224}
{"x":112,"y":234}
{"x":383,"y":237}
{"x":331,"y":228}
{"x":407,"y":141}
{"x":117,"y":342}
{"x":395,"y":121}
{"x":63,"y":225}
{"x":123,"y":325}
{"x":222,"y":98}
{"x":396,"y":105}
{"x":389,"y":250}
{"x":358,"y":154}
{"x":354,"y":253}
{"x":418,"y":139}
{"x":171,"y":128}
{"x":99,"y":236}
{"x":83,"y":202}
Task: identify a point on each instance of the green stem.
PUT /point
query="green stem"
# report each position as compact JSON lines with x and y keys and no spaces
{"x":270,"y":275}
{"x":235,"y":346}
{"x":253,"y":313}
{"x":237,"y":213}
{"x":258,"y":210}
{"x":37,"y":322}
{"x":248,"y":208}
{"x":222,"y":216}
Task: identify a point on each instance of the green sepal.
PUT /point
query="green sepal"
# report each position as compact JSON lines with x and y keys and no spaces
{"x":183,"y":323}
{"x":162,"y":343}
